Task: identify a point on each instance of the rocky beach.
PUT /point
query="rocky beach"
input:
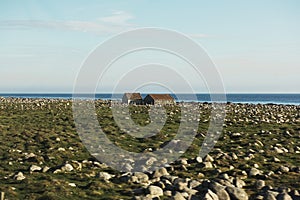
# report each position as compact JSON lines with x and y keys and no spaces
{"x":42,"y":157}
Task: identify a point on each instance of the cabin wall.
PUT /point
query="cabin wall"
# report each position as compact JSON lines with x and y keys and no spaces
{"x":148,"y":100}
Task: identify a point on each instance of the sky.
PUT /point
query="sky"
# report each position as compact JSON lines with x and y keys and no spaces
{"x":255,"y":45}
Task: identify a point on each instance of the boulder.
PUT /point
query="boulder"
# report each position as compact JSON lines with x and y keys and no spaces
{"x":209,"y":195}
{"x":284,"y":196}
{"x":155,"y":191}
{"x":178,"y":196}
{"x":259,"y":184}
{"x":219,"y":190}
{"x":270,"y":195}
{"x":239,"y":183}
{"x":237,"y":193}
{"x":140,"y":177}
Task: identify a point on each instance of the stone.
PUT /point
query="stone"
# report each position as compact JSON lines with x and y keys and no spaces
{"x":167,"y":184}
{"x":284,"y":196}
{"x":224,"y":182}
{"x":239,"y":183}
{"x":191,"y":191}
{"x":219,"y":190}
{"x":181,"y":186}
{"x":77,"y":165}
{"x":183,"y":161}
{"x":34,"y":168}
{"x":244,"y":174}
{"x":284,"y":169}
{"x":168,"y":193}
{"x":125,"y":178}
{"x":285,"y":150}
{"x":295,"y":193}
{"x":237,"y":193}
{"x":155,"y":191}
{"x":67,"y":167}
{"x":148,"y":197}
{"x":207,"y":165}
{"x":19,"y":176}
{"x":253,"y":172}
{"x":160,"y":172}
{"x":198,"y":159}
{"x":30,"y":155}
{"x":45,"y":169}
{"x":61,"y":149}
{"x":209,"y":195}
{"x":234,"y":156}
{"x":185,"y":195}
{"x":200,"y":175}
{"x":256,"y":165}
{"x":269,"y":195}
{"x":193,"y":184}
{"x":72,"y":184}
{"x":141,"y":177}
{"x":236,"y":135}
{"x":183,"y":167}
{"x":160,"y":184}
{"x":178,"y":196}
{"x":208,"y":158}
{"x":224,"y":176}
{"x":105,"y":176}
{"x":259,"y":197}
{"x":2,"y":195}
{"x":259,"y":184}
{"x":270,"y":173}
{"x":98,"y":164}
{"x":278,"y":150}
{"x":57,"y":171}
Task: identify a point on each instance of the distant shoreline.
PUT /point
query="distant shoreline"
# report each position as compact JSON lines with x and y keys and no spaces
{"x":293,"y":101}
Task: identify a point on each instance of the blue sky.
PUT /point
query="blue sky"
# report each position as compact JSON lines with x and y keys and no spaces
{"x":254,"y":44}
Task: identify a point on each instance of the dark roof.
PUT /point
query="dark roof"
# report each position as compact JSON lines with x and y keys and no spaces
{"x":162,"y":97}
{"x":133,"y":96}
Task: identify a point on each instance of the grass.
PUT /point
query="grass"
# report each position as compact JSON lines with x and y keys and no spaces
{"x":29,"y":128}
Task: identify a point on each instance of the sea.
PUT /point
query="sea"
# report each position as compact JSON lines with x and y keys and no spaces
{"x":287,"y":99}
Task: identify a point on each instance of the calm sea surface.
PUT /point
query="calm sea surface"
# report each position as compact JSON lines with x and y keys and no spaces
{"x":293,"y":99}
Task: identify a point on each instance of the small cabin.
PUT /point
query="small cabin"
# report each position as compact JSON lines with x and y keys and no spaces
{"x":161,"y":99}
{"x":132,"y":98}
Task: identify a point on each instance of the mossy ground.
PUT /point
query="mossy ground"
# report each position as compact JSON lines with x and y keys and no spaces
{"x":35,"y":129}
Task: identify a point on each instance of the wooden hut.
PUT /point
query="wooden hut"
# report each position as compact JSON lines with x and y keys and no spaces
{"x":161,"y":99}
{"x":132,"y":98}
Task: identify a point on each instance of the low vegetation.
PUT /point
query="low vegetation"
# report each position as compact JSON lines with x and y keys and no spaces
{"x":42,"y":133}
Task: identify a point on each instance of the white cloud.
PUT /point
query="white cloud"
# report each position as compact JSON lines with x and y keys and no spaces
{"x":118,"y":18}
{"x":117,"y":22}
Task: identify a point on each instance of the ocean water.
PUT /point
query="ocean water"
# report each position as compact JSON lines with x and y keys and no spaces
{"x":289,"y":99}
